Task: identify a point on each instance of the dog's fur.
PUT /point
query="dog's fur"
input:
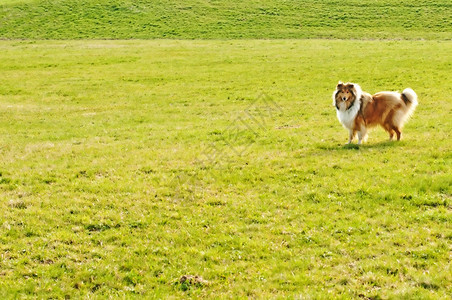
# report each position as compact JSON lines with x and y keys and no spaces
{"x":358,"y":110}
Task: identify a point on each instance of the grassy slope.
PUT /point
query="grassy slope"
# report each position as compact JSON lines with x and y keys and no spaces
{"x":146,"y":19}
{"x":106,"y":188}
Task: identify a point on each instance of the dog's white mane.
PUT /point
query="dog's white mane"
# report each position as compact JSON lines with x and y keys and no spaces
{"x":348,"y":116}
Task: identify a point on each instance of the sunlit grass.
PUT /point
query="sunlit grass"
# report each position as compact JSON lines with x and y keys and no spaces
{"x":127,"y":164}
{"x":226,"y":19}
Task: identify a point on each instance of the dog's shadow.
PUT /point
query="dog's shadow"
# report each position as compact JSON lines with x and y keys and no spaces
{"x":354,"y":146}
{"x":379,"y":145}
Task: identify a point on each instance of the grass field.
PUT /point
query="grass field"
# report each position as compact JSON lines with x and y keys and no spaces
{"x":211,"y":148}
{"x":127,"y":164}
{"x":225,"y":19}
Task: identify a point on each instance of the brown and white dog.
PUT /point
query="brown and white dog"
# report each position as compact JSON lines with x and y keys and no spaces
{"x":358,"y":110}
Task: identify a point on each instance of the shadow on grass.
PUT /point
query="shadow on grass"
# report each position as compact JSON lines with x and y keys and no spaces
{"x":383,"y":144}
{"x":379,"y":145}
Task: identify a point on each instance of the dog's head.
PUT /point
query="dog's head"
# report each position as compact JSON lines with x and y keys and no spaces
{"x":345,"y":95}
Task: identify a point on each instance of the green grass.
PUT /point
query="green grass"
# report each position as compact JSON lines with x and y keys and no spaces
{"x":274,"y":19}
{"x":127,"y":164}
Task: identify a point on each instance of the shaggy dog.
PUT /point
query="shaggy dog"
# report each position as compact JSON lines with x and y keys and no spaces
{"x":358,"y":110}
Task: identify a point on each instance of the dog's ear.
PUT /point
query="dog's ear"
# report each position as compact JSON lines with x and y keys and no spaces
{"x":340,"y":85}
{"x":350,"y":85}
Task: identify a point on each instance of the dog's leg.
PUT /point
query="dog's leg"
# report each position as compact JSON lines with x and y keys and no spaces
{"x":391,"y":134}
{"x":362,"y":135}
{"x":351,"y":135}
{"x":399,"y":134}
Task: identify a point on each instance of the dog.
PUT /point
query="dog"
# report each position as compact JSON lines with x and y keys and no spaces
{"x":358,"y":111}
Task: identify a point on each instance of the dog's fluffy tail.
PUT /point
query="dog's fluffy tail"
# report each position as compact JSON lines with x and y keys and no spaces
{"x":410,"y":99}
{"x":409,"y":96}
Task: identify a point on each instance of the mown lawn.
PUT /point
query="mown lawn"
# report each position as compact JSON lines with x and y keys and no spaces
{"x":127,"y":164}
{"x":225,"y":19}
